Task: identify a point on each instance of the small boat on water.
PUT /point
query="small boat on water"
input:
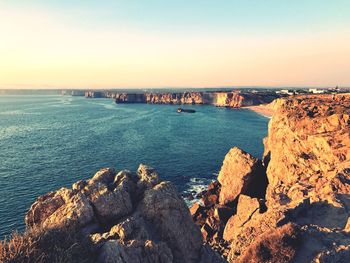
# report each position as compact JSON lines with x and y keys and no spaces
{"x":179,"y":110}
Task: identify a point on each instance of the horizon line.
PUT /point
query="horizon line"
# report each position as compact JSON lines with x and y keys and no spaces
{"x":45,"y":87}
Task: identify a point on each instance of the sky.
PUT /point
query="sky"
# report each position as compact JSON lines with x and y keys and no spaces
{"x":174,"y":43}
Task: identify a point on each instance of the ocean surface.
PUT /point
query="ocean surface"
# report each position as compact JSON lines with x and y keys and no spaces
{"x":48,"y":142}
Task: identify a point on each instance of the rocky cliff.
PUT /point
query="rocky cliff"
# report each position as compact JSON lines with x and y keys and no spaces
{"x":234,"y":99}
{"x":304,"y":214}
{"x":126,"y":216}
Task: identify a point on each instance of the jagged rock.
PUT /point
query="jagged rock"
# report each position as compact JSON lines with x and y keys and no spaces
{"x":212,"y":218}
{"x":115,"y":252}
{"x":307,"y":147}
{"x":104,"y":176}
{"x":241,"y":173}
{"x":60,"y":209}
{"x":234,"y":99}
{"x":132,"y":227}
{"x":147,"y":177}
{"x":211,"y":196}
{"x":128,"y":217}
{"x":307,"y":156}
{"x":168,"y":212}
{"x":196,"y":209}
{"x":110,"y":205}
{"x":222,"y":213}
{"x":246,"y":208}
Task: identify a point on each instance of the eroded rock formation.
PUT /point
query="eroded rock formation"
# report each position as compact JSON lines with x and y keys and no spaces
{"x":304,"y":216}
{"x":129,"y":217}
{"x":233,"y":99}
{"x":241,"y":173}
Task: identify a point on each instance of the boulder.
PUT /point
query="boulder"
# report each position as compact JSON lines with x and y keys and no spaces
{"x":246,"y":208}
{"x":241,"y":173}
{"x":60,"y":209}
{"x":167,"y":211}
{"x":127,"y":217}
{"x":149,"y":252}
{"x":109,"y":204}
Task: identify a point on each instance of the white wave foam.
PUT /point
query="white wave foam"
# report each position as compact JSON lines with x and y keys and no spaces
{"x":193,"y":188}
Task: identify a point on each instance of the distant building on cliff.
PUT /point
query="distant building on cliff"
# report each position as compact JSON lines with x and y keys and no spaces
{"x":316,"y":91}
{"x":286,"y":91}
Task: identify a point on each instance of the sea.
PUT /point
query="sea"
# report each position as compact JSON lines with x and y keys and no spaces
{"x":51,"y":141}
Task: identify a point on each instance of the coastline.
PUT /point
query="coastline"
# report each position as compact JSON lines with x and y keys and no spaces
{"x":262,"y":109}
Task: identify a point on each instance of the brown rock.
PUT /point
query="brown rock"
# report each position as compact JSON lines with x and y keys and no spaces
{"x":241,"y":173}
{"x":154,"y":225}
{"x":195,"y":209}
{"x":223,"y":213}
{"x":109,"y":204}
{"x":115,"y":252}
{"x":307,"y":156}
{"x":210,"y":197}
{"x":246,"y":207}
{"x":207,"y":232}
{"x":168,"y":212}
{"x":104,"y":176}
{"x":148,"y":177}
{"x":60,"y":209}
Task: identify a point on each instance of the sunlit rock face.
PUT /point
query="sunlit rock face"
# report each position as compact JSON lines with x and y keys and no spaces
{"x":127,"y":216}
{"x":303,"y":217}
{"x":231,"y":99}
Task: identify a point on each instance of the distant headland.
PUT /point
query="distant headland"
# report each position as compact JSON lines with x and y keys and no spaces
{"x":254,"y":99}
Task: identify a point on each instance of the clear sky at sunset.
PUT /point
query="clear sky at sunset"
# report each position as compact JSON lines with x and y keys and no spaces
{"x":160,"y":43}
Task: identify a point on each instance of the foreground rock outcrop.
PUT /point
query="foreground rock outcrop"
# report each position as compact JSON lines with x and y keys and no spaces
{"x":128,"y":217}
{"x":304,"y":215}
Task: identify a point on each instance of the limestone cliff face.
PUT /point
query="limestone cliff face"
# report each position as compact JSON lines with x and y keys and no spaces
{"x":234,"y":99}
{"x":308,"y":148}
{"x":307,"y":154}
{"x":128,"y":217}
{"x":175,"y":98}
{"x":304,"y":216}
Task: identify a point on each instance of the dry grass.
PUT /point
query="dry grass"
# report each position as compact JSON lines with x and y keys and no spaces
{"x":38,"y":246}
{"x":276,"y":246}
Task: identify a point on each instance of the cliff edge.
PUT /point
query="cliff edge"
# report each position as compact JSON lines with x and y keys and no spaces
{"x":300,"y":211}
{"x":232,"y":99}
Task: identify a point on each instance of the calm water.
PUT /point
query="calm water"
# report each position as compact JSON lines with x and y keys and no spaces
{"x":47,"y":142}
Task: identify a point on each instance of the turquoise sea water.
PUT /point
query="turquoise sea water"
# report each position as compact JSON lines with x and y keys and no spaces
{"x":48,"y":142}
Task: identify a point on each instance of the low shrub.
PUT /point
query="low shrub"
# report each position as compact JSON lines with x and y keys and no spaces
{"x":51,"y":246}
